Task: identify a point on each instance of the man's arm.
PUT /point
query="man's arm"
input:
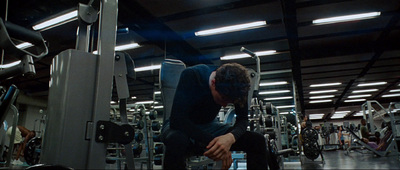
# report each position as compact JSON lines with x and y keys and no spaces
{"x":184,"y":101}
{"x":219,"y":147}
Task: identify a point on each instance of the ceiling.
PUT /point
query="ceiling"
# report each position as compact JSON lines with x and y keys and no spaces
{"x":350,"y":53}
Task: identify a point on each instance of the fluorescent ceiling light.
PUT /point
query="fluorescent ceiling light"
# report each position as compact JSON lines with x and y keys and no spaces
{"x":358,"y":114}
{"x":360,"y":96}
{"x":371,"y":84}
{"x":157,"y":92}
{"x":346,"y":18}
{"x":158,"y":107}
{"x":134,"y":97}
{"x":126,"y":47}
{"x":232,"y":28}
{"x":273,"y":83}
{"x":285,"y":106}
{"x":322,"y":91}
{"x":342,"y":112}
{"x":320,"y":101}
{"x":274,"y":92}
{"x":10,"y":64}
{"x":355,"y":100}
{"x":123,"y":47}
{"x":325,"y":84}
{"x":146,"y":102}
{"x":279,"y":98}
{"x":337,"y":117}
{"x":238,"y":56}
{"x":68,"y":17}
{"x":322,"y":97}
{"x":24,"y":45}
{"x":363,"y":91}
{"x":284,"y":113}
{"x":316,"y":116}
{"x":391,"y":95}
{"x":113,"y":102}
{"x":395,"y":90}
{"x":146,"y":68}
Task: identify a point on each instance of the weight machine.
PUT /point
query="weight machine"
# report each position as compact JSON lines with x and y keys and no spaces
{"x":80,"y":94}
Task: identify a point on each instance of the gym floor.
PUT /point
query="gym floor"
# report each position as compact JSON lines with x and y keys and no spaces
{"x":333,"y":160}
{"x":355,"y":160}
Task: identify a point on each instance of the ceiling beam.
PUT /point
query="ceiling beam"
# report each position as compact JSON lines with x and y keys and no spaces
{"x":290,"y":21}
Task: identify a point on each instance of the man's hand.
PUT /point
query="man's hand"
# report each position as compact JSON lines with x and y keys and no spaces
{"x":227,"y":161}
{"x":218,"y":148}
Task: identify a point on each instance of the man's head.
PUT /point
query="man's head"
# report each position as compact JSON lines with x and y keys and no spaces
{"x":363,"y":122}
{"x":232,"y":82}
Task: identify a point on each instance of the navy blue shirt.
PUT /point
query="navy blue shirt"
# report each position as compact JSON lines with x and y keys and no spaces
{"x":194,"y":104}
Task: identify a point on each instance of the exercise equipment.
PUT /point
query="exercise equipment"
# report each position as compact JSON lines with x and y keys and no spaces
{"x":91,"y":109}
{"x":138,"y":137}
{"x":159,"y":148}
{"x":155,"y":125}
{"x":157,"y":137}
{"x":32,"y":151}
{"x":153,"y":114}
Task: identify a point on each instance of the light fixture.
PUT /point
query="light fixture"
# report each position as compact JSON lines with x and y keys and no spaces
{"x":24,"y":45}
{"x":158,"y":107}
{"x":322,"y":97}
{"x":68,"y":17}
{"x":123,"y":47}
{"x":359,"y":114}
{"x":363,"y":91}
{"x":232,"y":28}
{"x":320,"y":101}
{"x":133,"y":97}
{"x":279,"y":98}
{"x":342,"y":112}
{"x":274,"y":92}
{"x":359,"y":96}
{"x":391,"y":95}
{"x":346,"y":18}
{"x":325,"y":84}
{"x":316,"y":116}
{"x":371,"y":84}
{"x":238,"y":56}
{"x":354,"y":100}
{"x":322,"y":91}
{"x":284,"y":113}
{"x":273,"y":83}
{"x":147,"y":102}
{"x":126,"y":46}
{"x":113,"y":102}
{"x":285,"y":106}
{"x":395,"y":90}
{"x":146,"y":68}
{"x":157,"y":92}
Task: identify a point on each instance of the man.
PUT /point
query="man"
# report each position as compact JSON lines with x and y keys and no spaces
{"x":20,"y":133}
{"x":200,"y":93}
{"x":364,"y":130}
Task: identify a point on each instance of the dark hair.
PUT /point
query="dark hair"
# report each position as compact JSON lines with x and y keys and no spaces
{"x":232,"y":81}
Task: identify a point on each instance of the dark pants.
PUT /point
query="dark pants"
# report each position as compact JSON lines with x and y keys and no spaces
{"x":178,"y":146}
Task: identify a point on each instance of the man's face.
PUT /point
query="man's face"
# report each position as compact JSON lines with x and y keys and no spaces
{"x":219,"y":98}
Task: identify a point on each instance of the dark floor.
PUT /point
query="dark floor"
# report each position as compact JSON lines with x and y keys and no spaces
{"x":333,"y":160}
{"x":355,"y":160}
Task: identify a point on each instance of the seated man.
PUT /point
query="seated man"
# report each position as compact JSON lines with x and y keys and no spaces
{"x":20,"y":133}
{"x":364,"y":131}
{"x":200,"y":93}
{"x":382,"y":145}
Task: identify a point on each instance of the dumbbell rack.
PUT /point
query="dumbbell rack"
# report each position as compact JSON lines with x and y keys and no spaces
{"x":144,"y":127}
